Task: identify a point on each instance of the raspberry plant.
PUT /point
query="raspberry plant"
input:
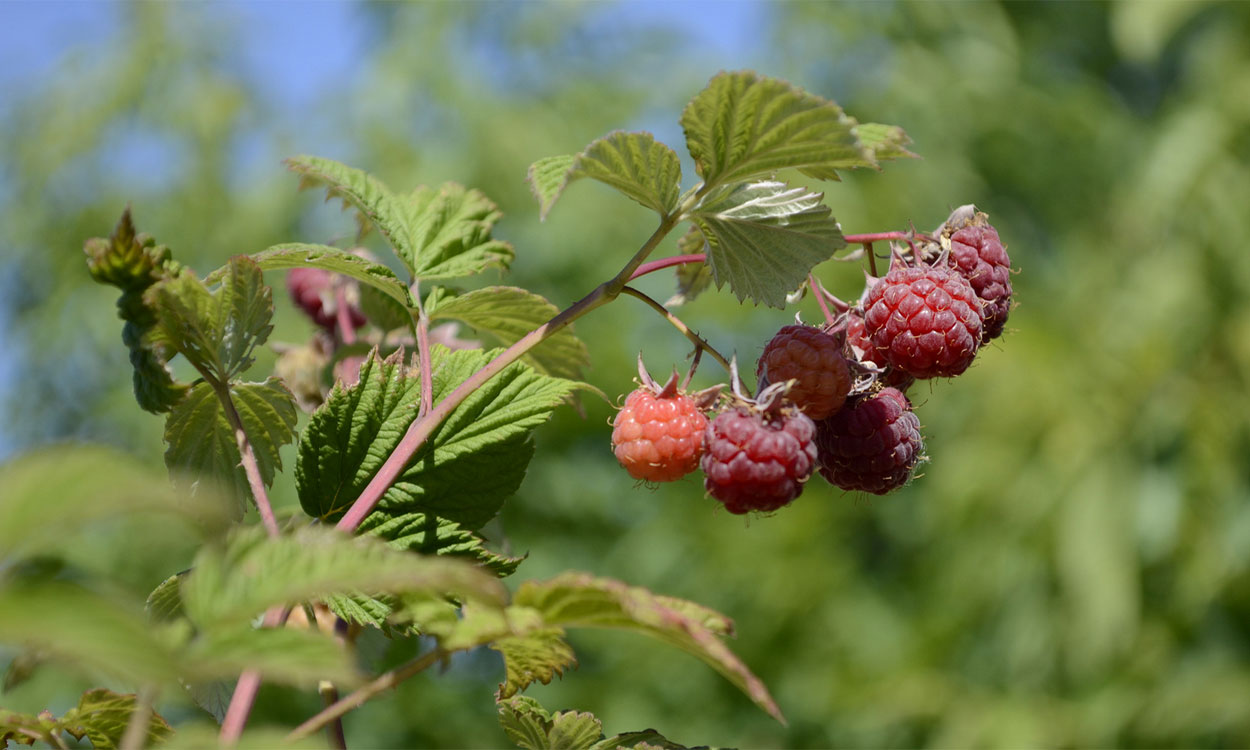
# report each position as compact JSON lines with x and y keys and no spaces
{"x":415,"y":438}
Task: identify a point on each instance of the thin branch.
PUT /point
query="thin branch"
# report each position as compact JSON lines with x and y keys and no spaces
{"x":250,"y":466}
{"x":358,"y":698}
{"x":679,"y":325}
{"x":814,"y":285}
{"x":423,"y":353}
{"x":860,"y":239}
{"x":421,"y":428}
{"x":872,"y":259}
{"x":334,"y":730}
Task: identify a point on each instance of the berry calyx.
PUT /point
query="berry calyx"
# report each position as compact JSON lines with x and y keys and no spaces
{"x":312,"y":290}
{"x":872,"y":445}
{"x":757,"y":459}
{"x":657,"y":436}
{"x":924,"y":320}
{"x":814,"y":360}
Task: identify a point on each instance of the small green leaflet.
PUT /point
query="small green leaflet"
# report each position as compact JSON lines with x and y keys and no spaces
{"x":580,"y":600}
{"x":636,"y":164}
{"x":438,"y":234}
{"x":165,"y":602}
{"x":744,"y":125}
{"x":535,"y":656}
{"x":200,"y":443}
{"x":764,"y":238}
{"x":252,"y":572}
{"x":431,"y":535}
{"x":101,"y":716}
{"x":470,"y":464}
{"x":509,"y":313}
{"x":692,"y":278}
{"x":886,"y":142}
{"x":216,"y":331}
{"x":531,"y":727}
{"x":300,"y":255}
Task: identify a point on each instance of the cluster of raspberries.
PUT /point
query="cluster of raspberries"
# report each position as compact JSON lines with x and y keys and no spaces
{"x":837,"y":402}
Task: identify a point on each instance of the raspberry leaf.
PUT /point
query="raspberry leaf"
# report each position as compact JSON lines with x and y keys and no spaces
{"x":580,"y":600}
{"x":216,"y":331}
{"x":430,"y":535}
{"x":744,"y":125}
{"x":763,"y":238}
{"x":536,"y":656}
{"x":470,"y":464}
{"x":293,"y":657}
{"x":302,"y":255}
{"x":438,"y":234}
{"x":692,"y":278}
{"x":201,"y":443}
{"x":636,"y":164}
{"x":234,"y":583}
{"x":164,"y":604}
{"x":530,"y":726}
{"x":508,"y":313}
{"x":886,"y":142}
{"x":101,"y":716}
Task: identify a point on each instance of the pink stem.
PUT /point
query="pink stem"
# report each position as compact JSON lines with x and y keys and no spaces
{"x":676,"y":260}
{"x":818,"y":293}
{"x":860,"y":239}
{"x":250,"y":466}
{"x":343,"y":316}
{"x":423,"y":352}
{"x":246,"y":688}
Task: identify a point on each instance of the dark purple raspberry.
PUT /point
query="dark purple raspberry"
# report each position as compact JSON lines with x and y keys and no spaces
{"x":312,"y":289}
{"x":978,"y":254}
{"x":872,"y":444}
{"x":814,"y":359}
{"x":756,"y":462}
{"x":924,"y":320}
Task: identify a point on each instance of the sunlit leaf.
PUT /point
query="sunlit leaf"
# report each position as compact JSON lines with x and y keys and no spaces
{"x":637,"y":165}
{"x":301,"y":255}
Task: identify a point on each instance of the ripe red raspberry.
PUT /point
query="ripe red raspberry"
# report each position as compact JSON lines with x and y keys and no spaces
{"x":754,"y":461}
{"x":813,"y":359}
{"x":860,"y":349}
{"x":872,"y":444}
{"x":924,"y":320}
{"x":978,"y":254}
{"x":312,"y":289}
{"x":658,"y":436}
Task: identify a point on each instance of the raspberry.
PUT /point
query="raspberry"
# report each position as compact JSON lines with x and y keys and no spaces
{"x":872,"y":444}
{"x":658,"y":436}
{"x":312,"y":289}
{"x":813,"y":358}
{"x":754,"y":461}
{"x":924,"y":320}
{"x":978,"y":254}
{"x":859,"y":348}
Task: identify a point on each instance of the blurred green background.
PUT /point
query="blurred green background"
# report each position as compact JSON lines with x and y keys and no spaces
{"x":1073,"y":567}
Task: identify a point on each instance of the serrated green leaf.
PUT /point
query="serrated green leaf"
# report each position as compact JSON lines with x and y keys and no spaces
{"x":84,"y":630}
{"x":636,"y":164}
{"x":580,"y":600}
{"x":200,"y":442}
{"x":744,"y":125}
{"x":765,"y":237}
{"x":547,"y":178}
{"x":536,"y":656}
{"x":54,"y":494}
{"x":103,"y":717}
{"x":383,"y":311}
{"x":574,"y":729}
{"x":647,"y":739}
{"x":165,"y":602}
{"x":216,"y":331}
{"x":431,"y":535}
{"x":293,"y":657}
{"x":525,"y":722}
{"x":252,"y":572}
{"x":509,"y":313}
{"x":127,"y":260}
{"x":300,"y":255}
{"x":692,"y":278}
{"x":469,"y":465}
{"x":374,"y":202}
{"x":886,"y":142}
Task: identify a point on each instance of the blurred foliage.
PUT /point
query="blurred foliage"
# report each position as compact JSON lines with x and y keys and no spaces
{"x":1074,"y":566}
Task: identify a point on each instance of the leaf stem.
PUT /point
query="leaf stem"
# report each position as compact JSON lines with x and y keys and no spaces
{"x":423,"y":427}
{"x":676,"y":260}
{"x":360,"y":696}
{"x":818,"y":293}
{"x":246,"y":688}
{"x":679,"y":325}
{"x":250,"y":466}
{"x":334,"y":730}
{"x":862,"y":239}
{"x":423,"y":353}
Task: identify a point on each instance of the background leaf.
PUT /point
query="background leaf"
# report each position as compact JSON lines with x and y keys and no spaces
{"x":764,"y":238}
{"x":886,"y":142}
{"x":294,"y":657}
{"x":744,"y":125}
{"x":509,"y":313}
{"x":547,"y":178}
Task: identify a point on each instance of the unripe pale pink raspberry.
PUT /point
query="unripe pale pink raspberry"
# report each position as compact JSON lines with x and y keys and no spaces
{"x":658,"y":437}
{"x":872,"y":445}
{"x":753,"y":461}
{"x":814,"y":360}
{"x":924,"y":320}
